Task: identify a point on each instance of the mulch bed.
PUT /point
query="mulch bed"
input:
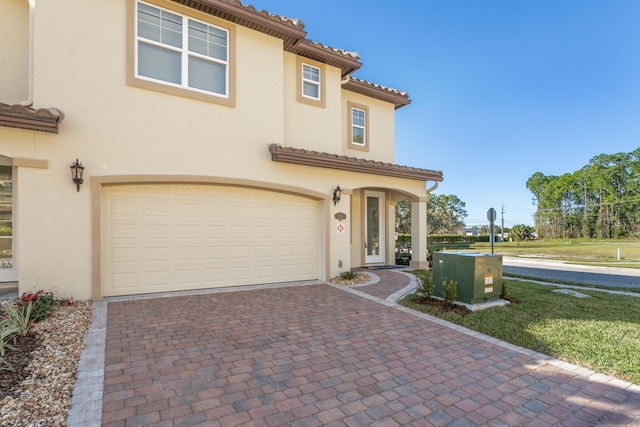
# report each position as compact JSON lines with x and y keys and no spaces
{"x":442,"y":306}
{"x":19,"y":361}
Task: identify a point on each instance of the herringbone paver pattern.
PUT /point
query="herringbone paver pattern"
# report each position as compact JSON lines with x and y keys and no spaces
{"x":390,"y":282}
{"x":317,"y":355}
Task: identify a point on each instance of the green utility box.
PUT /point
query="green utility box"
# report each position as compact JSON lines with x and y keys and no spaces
{"x":479,"y":276}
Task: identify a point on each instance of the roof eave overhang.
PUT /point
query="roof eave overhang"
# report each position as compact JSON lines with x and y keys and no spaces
{"x":290,"y":31}
{"x":397,"y":99}
{"x":42,"y":120}
{"x":333,"y":161}
{"x":347,"y":63}
{"x":248,"y":16}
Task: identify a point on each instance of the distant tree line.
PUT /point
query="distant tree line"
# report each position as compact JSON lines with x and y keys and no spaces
{"x":445,"y":215}
{"x":601,"y":200}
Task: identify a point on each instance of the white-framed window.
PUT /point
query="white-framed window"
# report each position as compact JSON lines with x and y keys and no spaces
{"x":358,"y":126}
{"x":180,"y":51}
{"x":311,"y":82}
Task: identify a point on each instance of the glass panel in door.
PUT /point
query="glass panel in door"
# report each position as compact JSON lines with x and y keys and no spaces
{"x":8,"y":272}
{"x":374,"y":227}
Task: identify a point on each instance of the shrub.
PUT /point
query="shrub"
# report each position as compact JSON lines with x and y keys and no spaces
{"x":456,"y":238}
{"x":20,"y":317}
{"x":403,"y":258}
{"x":450,"y":292}
{"x":7,"y":334}
{"x":44,"y":303}
{"x":347,"y":275}
{"x":426,"y":288}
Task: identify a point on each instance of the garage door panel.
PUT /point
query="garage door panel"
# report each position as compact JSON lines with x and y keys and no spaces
{"x":214,"y":274}
{"x":307,"y":269}
{"x":286,"y":250}
{"x":123,"y":255}
{"x":264,"y":271}
{"x":156,"y":231}
{"x":125,"y":282}
{"x":186,"y":236}
{"x":213,"y":253}
{"x":264,"y":251}
{"x":156,"y":209}
{"x":307,"y":251}
{"x":185,"y":276}
{"x":155,"y":253}
{"x":188,"y":253}
{"x":122,"y":231}
{"x":123,"y":208}
{"x":154,"y":280}
{"x":241,"y":274}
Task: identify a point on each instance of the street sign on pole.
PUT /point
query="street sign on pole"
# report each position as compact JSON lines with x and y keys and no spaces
{"x":491,"y":216}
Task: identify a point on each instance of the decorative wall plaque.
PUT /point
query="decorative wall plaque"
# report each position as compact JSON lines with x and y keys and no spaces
{"x":341,"y":216}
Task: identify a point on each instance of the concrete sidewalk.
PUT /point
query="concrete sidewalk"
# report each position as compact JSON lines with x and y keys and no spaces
{"x":319,"y":354}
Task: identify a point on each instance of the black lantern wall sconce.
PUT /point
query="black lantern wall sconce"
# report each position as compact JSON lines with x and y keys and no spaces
{"x":76,"y":173}
{"x":337,"y":194}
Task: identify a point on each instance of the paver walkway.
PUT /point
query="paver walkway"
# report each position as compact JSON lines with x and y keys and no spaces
{"x":319,"y":355}
{"x":386,"y":282}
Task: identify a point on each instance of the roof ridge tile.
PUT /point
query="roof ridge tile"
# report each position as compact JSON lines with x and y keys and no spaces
{"x":294,"y":22}
{"x":378,"y":86}
{"x":343,"y":52}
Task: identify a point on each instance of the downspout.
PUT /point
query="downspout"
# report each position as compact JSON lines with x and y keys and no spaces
{"x":29,"y":101}
{"x":345,"y":80}
{"x":433,"y":187}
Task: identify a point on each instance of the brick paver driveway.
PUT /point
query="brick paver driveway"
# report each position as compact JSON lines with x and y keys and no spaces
{"x":318,"y":355}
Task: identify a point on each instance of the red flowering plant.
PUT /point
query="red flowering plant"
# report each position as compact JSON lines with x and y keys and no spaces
{"x":44,"y":303}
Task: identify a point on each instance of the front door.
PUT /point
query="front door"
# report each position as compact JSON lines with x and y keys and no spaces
{"x":374,"y":222}
{"x":8,"y":270}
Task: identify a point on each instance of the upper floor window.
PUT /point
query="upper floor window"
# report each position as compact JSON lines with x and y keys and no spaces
{"x":181,"y":55}
{"x":310,"y":81}
{"x":181,"y":51}
{"x":358,"y":126}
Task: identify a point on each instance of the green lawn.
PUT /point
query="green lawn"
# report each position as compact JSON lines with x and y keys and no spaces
{"x":601,"y":332}
{"x":592,"y":252}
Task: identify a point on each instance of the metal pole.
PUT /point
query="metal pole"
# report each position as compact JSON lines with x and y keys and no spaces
{"x":492,"y":238}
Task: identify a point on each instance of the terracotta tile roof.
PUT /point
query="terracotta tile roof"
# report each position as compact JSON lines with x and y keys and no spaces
{"x":397,"y":97}
{"x":42,"y":119}
{"x":347,"y":54}
{"x":300,"y":156}
{"x":293,"y":22}
{"x":294,"y":37}
{"x":290,"y":30}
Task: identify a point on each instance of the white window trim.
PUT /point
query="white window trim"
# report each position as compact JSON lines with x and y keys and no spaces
{"x":312,"y":82}
{"x":367,"y":138}
{"x":363,"y":127}
{"x":184,"y":51}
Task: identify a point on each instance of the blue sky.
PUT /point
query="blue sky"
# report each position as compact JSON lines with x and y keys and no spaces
{"x":501,"y":89}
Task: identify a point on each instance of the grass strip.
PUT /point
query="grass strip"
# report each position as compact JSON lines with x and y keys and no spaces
{"x":601,"y":333}
{"x":567,"y":282}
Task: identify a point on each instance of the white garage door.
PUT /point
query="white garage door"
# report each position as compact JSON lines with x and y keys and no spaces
{"x":166,"y":237}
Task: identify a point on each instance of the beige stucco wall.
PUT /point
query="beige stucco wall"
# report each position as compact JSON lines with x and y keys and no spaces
{"x":309,"y":126}
{"x":14,"y":46}
{"x":116,"y":129}
{"x":381,"y":144}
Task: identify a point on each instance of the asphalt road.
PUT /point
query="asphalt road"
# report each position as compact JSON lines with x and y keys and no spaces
{"x":544,"y":269}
